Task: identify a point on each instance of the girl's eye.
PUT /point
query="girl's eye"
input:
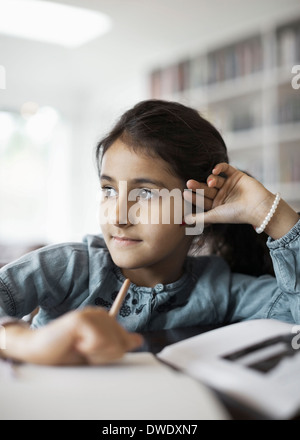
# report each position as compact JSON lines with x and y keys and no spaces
{"x":108,"y":191}
{"x":144,"y":194}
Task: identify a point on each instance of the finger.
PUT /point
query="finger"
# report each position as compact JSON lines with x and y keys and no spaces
{"x":193,"y":200}
{"x":195,"y":220}
{"x":215,"y":181}
{"x":102,"y":337}
{"x":225,"y":168}
{"x":115,"y":349}
{"x":193,"y":186}
{"x":106,"y":355}
{"x":205,"y":218}
{"x":133,"y":341}
{"x":137,"y":341}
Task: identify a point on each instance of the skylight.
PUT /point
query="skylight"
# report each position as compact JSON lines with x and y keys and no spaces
{"x":50,"y":22}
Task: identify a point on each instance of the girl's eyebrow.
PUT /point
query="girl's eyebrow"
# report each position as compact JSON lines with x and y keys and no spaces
{"x":105,"y":177}
{"x":144,"y":180}
{"x":140,"y":180}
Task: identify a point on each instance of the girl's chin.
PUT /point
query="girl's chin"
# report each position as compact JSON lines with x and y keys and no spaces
{"x":128,"y":263}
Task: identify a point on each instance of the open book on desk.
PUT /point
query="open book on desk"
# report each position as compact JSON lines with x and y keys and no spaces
{"x":256,"y":363}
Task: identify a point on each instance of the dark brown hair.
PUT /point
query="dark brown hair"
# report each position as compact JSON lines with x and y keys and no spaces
{"x":191,"y":146}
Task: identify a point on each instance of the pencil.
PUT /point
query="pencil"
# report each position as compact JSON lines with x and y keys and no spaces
{"x":119,"y":298}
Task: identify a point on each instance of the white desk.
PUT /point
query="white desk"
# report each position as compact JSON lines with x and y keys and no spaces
{"x":139,"y":387}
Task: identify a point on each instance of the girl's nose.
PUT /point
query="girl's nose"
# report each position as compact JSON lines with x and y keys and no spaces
{"x":122,"y":208}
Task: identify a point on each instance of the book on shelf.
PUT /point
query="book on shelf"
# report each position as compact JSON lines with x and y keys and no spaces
{"x":290,"y":165}
{"x":230,"y":62}
{"x":288,"y":44}
{"x":197,"y":71}
{"x":289,"y":109}
{"x":239,"y":59}
{"x":256,"y":363}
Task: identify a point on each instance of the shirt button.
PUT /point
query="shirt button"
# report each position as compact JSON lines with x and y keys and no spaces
{"x":159,"y":288}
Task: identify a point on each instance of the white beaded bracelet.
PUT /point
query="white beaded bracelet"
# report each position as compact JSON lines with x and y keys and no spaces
{"x":270,"y":214}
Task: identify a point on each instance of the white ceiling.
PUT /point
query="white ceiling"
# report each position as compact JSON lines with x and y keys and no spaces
{"x":144,"y":33}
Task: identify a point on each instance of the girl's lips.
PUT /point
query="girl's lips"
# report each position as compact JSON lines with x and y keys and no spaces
{"x":124,"y":241}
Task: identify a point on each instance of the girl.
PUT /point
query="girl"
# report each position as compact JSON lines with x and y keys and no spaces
{"x":155,"y":145}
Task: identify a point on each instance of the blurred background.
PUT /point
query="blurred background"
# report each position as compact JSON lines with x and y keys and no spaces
{"x":63,"y":84}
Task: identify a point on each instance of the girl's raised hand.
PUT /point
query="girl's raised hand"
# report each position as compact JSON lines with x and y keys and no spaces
{"x":235,"y":198}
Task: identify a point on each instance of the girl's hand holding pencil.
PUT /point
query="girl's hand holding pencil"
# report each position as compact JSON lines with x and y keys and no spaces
{"x":86,"y":336}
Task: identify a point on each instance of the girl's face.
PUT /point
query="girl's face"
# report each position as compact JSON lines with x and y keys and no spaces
{"x":138,"y":232}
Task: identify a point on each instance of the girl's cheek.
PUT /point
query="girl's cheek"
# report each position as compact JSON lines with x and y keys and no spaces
{"x":108,"y":212}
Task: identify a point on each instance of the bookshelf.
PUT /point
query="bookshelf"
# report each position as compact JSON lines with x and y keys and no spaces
{"x":244,"y":87}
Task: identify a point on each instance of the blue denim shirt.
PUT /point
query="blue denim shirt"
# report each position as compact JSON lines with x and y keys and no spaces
{"x":63,"y":277}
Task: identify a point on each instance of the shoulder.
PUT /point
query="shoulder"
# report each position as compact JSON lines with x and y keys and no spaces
{"x":56,"y":258}
{"x":89,"y":245}
{"x":92,"y":251}
{"x":56,"y":276}
{"x":94,"y":243}
{"x":96,"y":250}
